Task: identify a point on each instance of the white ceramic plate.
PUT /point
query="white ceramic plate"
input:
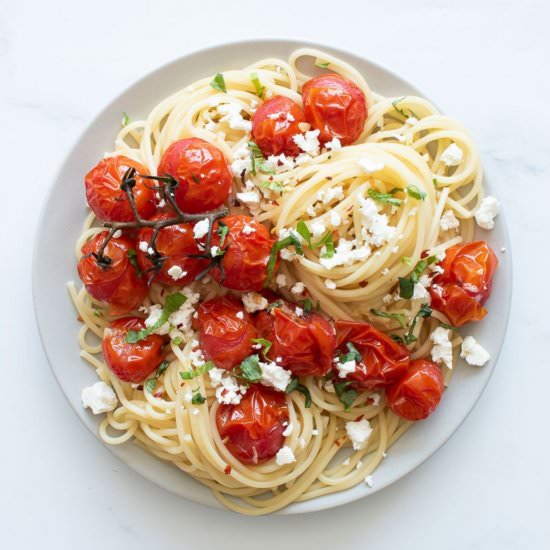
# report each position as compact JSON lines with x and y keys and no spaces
{"x":54,"y":265}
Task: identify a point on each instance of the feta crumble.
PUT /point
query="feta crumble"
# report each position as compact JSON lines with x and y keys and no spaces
{"x":288,"y":430}
{"x":359,"y":433}
{"x":370,"y":166}
{"x":248,"y":229}
{"x":241,"y":160}
{"x":201,"y":228}
{"x":285,"y":456}
{"x":330,"y":284}
{"x":232,"y":115}
{"x":254,"y":302}
{"x":473,"y":352}
{"x":143,"y":246}
{"x":487,"y":212}
{"x":448,"y":221}
{"x":180,"y":319}
{"x":334,"y":144}
{"x":318,"y":228}
{"x":281,"y":280}
{"x":249,"y":198}
{"x":229,"y":392}
{"x":297,"y":288}
{"x":308,"y":142}
{"x":99,"y":397}
{"x":452,"y":156}
{"x":275,"y":376}
{"x":345,"y":368}
{"x":335,"y":219}
{"x":176,"y":272}
{"x":442,"y":350}
{"x":369,"y":481}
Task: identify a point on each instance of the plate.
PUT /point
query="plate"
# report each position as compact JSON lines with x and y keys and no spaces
{"x":54,"y":265}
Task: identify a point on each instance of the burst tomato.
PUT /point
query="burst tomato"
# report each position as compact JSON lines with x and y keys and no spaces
{"x":336,"y":107}
{"x":131,"y":362}
{"x":108,"y":200}
{"x":383,"y":360}
{"x":253,"y":429}
{"x":225,"y":331}
{"x":204,"y":179}
{"x":465,"y":284}
{"x":304,"y":343}
{"x":175,"y":244}
{"x":246,"y":249}
{"x":418,"y":393}
{"x":114,"y":280}
{"x":275,"y":123}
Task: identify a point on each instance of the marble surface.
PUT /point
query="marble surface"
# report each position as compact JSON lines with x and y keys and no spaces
{"x":485,"y":63}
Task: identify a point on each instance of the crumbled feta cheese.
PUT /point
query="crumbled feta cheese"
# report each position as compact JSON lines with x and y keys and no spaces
{"x":331,"y":194}
{"x":346,"y":462}
{"x":297,"y":288}
{"x":180,"y":319}
{"x":375,"y":398}
{"x":249,"y":198}
{"x":308,"y":142}
{"x":188,"y":438}
{"x":452,"y":156}
{"x":287,"y":254}
{"x":281,"y":280}
{"x":117,"y":234}
{"x":330,"y":284}
{"x":288,"y":430}
{"x":200,"y":229}
{"x":474,"y":352}
{"x":254,"y":302}
{"x":388,"y":299}
{"x":215,"y":251}
{"x":229,"y":392}
{"x":359,"y":433}
{"x":176,"y":272}
{"x":143,"y":246}
{"x":442,"y":350}
{"x":285,"y":456}
{"x":335,"y":219}
{"x":345,"y":368}
{"x":240,"y":314}
{"x":162,"y":203}
{"x":233,"y":117}
{"x":385,"y":271}
{"x":420,"y":292}
{"x":411,"y":121}
{"x":241,"y":160}
{"x":448,"y":221}
{"x":334,"y":144}
{"x":99,"y":397}
{"x":379,"y":232}
{"x":299,"y":311}
{"x":275,"y":376}
{"x":318,"y":228}
{"x":345,"y":253}
{"x":314,"y":432}
{"x":487,"y":212}
{"x":248,"y":229}
{"x":370,"y":166}
{"x":369,"y":482}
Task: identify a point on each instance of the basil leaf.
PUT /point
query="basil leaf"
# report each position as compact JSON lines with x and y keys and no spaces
{"x":294,"y":385}
{"x":352,"y":355}
{"x":406,"y":260}
{"x":125,"y":119}
{"x":406,"y":288}
{"x":328,"y":243}
{"x":435,"y":182}
{"x":424,"y":311}
{"x":399,"y":317}
{"x":132,"y":258}
{"x":218,"y":83}
{"x":304,"y":231}
{"x":190,"y":374}
{"x":151,"y":384}
{"x":266,"y":345}
{"x":345,"y":394}
{"x":446,"y":325}
{"x":178,"y":340}
{"x":321,"y":64}
{"x":260,"y":90}
{"x":291,"y":240}
{"x":272,"y":186}
{"x":416,"y":193}
{"x":257,"y":160}
{"x":398,"y":109}
{"x":223,"y":230}
{"x":273,"y":305}
{"x":250,"y":368}
{"x":397,"y":338}
{"x":386,"y":198}
{"x":162,"y":367}
{"x":198,"y":398}
{"x":307,"y":305}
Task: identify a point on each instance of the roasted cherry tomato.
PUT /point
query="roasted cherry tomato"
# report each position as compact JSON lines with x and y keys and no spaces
{"x":108,"y":200}
{"x":131,"y":362}
{"x":418,"y":393}
{"x":175,"y":244}
{"x":225,"y":331}
{"x":336,"y":107}
{"x":203,"y":176}
{"x":253,"y":429}
{"x":274,"y":125}
{"x":383,"y":360}
{"x":304,"y":343}
{"x":112,"y":278}
{"x":246,"y":248}
{"x":465,"y":284}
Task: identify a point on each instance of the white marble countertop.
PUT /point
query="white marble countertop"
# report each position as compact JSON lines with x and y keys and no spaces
{"x":485,"y":64}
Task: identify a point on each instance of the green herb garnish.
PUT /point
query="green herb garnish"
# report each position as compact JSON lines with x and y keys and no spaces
{"x":291,"y":240}
{"x":352,"y":354}
{"x":272,"y":186}
{"x":177,"y":341}
{"x":260,"y":90}
{"x":406,"y":284}
{"x":218,"y":83}
{"x":345,"y":394}
{"x":307,"y":305}
{"x":190,"y":374}
{"x":424,"y":311}
{"x":132,"y":258}
{"x":399,"y":317}
{"x":294,"y":385}
{"x":416,"y":193}
{"x":321,"y":64}
{"x":125,"y":119}
{"x":249,"y":369}
{"x":266,"y":345}
{"x":328,"y":243}
{"x":407,"y":260}
{"x":198,"y":398}
{"x":223,"y":230}
{"x":386,"y":198}
{"x":151,"y":383}
{"x":257,"y":160}
{"x":273,"y":305}
{"x":304,"y":231}
{"x":398,"y":109}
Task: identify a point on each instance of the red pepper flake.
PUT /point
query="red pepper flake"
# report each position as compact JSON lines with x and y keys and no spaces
{"x":337,"y":443}
{"x":359,"y":418}
{"x":227,"y":469}
{"x":79,"y":318}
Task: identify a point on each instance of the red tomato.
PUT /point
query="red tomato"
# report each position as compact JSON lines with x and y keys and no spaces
{"x":225,"y":331}
{"x":204,"y":179}
{"x":275,"y":123}
{"x":336,"y":107}
{"x":131,"y":362}
{"x":253,"y":429}
{"x":383,"y":360}
{"x":175,"y":244}
{"x":304,"y":343}
{"x":418,"y":393}
{"x":108,"y":200}
{"x":117,"y":282}
{"x":244,"y":262}
{"x":465,"y":284}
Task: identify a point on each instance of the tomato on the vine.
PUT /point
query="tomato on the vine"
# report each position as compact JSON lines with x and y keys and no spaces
{"x":201,"y":171}
{"x":244,"y":247}
{"x":418,"y":393}
{"x":225,"y":331}
{"x":303,"y":344}
{"x":275,"y":123}
{"x":131,"y":362}
{"x":113,"y":277}
{"x":253,"y":429}
{"x":176,"y":246}
{"x":105,"y":196}
{"x":383,"y":361}
{"x":465,"y":284}
{"x":336,"y":107}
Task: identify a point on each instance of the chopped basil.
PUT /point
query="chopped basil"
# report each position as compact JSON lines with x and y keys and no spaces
{"x":345,"y":394}
{"x":406,"y":288}
{"x":307,"y":305}
{"x":328,"y":243}
{"x":398,"y":109}
{"x":172,"y":304}
{"x":125,"y":119}
{"x":190,"y":374}
{"x":257,"y":160}
{"x":198,"y":398}
{"x":223,"y":230}
{"x":294,"y":385}
{"x":218,"y":83}
{"x":397,"y":338}
{"x":415,"y":192}
{"x":151,"y":383}
{"x":407,"y":260}
{"x":260,"y":90}
{"x":386,"y":198}
{"x":272,"y":186}
{"x":266,"y":345}
{"x":273,"y":305}
{"x":445,"y":325}
{"x":304,"y":231}
{"x":132,"y":258}
{"x":291,"y":240}
{"x":352,"y":355}
{"x":177,"y":341}
{"x":249,"y":369}
{"x":435,"y":182}
{"x":321,"y":63}
{"x":399,"y":317}
{"x":406,"y":284}
{"x":424,"y":311}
